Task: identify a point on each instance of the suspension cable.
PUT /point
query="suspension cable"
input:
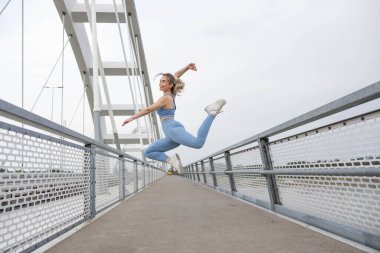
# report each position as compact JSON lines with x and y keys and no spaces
{"x":76,"y":109}
{"x":22,"y":71}
{"x":86,"y":86}
{"x":126,"y":63}
{"x":63,"y":62}
{"x":147,"y":99}
{"x":51,"y":72}
{"x":105,"y":86}
{"x":52,"y":103}
{"x":150,"y":130}
{"x":137,"y":84}
{"x":22,"y":54}
{"x":5,"y":6}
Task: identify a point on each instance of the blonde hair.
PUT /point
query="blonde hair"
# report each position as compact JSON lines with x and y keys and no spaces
{"x":178,"y":84}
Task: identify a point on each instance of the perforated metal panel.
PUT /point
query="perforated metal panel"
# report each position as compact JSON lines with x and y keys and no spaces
{"x":253,"y":185}
{"x":222,"y":179}
{"x":130,"y":178}
{"x":353,"y":201}
{"x":147,"y":175}
{"x":197,"y":170}
{"x":353,"y":143}
{"x":43,"y":189}
{"x":207,"y":167}
{"x":140,"y":176}
{"x":247,"y":159}
{"x":108,"y":179}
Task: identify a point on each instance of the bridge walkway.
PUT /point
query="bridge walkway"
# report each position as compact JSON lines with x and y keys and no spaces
{"x":178,"y":215}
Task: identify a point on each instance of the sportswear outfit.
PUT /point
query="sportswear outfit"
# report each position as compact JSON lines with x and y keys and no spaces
{"x":176,"y":134}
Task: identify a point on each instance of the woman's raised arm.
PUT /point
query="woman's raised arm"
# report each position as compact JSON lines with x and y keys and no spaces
{"x":160,"y":103}
{"x":183,"y":70}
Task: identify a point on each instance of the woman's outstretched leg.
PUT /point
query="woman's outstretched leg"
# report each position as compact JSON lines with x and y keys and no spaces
{"x":156,"y":150}
{"x":179,"y":135}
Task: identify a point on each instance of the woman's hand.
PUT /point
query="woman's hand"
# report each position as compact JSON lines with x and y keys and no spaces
{"x":192,"y":66}
{"x":127,"y":121}
{"x":183,"y":70}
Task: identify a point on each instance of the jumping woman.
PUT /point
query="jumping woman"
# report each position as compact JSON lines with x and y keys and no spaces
{"x":175,"y":133}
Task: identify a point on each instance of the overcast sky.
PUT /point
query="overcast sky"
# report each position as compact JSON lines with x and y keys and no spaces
{"x":271,"y":60}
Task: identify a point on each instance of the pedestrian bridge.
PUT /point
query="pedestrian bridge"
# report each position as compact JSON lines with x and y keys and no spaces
{"x":311,"y":184}
{"x":178,"y":215}
{"x":55,"y":180}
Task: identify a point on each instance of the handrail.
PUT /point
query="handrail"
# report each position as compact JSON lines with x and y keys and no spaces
{"x":326,"y":177}
{"x":366,"y":172}
{"x":18,"y":114}
{"x":366,"y":94}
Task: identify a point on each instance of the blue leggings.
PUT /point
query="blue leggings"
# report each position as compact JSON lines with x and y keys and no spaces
{"x":176,"y":135}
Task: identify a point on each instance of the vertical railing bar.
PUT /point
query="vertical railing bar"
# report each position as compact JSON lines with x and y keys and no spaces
{"x":92,"y":180}
{"x":143,"y":175}
{"x":197,"y":170}
{"x":204,"y":174}
{"x":122,"y":169}
{"x":212,"y":169}
{"x":229,"y":168}
{"x":271,"y":179}
{"x":136,"y":176}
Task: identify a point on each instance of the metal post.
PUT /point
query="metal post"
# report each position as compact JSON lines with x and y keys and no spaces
{"x":192,"y":172}
{"x":149,"y":175}
{"x":92,"y":181}
{"x":137,"y":176}
{"x":212,"y":169}
{"x":196,"y":169}
{"x":271,"y":179}
{"x":204,"y":174}
{"x":229,"y":168}
{"x":95,"y":82}
{"x":122,"y":170}
{"x":143,"y":175}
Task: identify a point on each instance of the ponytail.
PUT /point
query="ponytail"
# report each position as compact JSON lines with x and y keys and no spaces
{"x":178,"y":84}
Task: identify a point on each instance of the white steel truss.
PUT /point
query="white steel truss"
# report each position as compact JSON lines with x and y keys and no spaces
{"x":75,"y":15}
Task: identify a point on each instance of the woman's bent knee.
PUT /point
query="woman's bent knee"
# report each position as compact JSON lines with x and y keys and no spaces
{"x":198,"y":145}
{"x":147,"y":152}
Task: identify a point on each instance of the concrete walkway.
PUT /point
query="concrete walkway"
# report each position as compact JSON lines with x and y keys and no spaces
{"x":178,"y":215}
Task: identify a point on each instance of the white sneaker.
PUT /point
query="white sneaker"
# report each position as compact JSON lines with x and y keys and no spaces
{"x":214,"y":108}
{"x":175,"y":162}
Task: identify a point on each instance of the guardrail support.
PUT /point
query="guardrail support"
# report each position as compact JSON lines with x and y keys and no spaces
{"x":143,"y":175}
{"x":192,"y":172}
{"x":92,"y":181}
{"x":196,"y":169}
{"x":122,"y":171}
{"x":212,"y":169}
{"x":229,"y":168}
{"x":203,"y":172}
{"x":271,"y":179}
{"x":136,"y":176}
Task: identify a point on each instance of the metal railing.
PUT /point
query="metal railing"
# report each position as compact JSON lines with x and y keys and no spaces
{"x":328,"y":177}
{"x":49,"y":185}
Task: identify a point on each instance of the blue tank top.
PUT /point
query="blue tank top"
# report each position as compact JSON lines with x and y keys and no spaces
{"x":167,"y":112}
